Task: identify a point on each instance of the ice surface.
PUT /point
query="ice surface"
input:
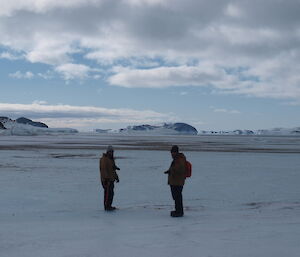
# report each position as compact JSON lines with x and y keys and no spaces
{"x":239,"y":202}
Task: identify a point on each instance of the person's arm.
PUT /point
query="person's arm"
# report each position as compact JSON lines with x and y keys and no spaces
{"x":169,"y":171}
{"x":115,"y":167}
{"x":103,"y":169}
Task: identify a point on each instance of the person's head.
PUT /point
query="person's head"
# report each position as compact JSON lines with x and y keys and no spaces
{"x":174,"y":151}
{"x":110,"y":150}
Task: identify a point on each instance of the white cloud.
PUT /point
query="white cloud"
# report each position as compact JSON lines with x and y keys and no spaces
{"x":227,"y":111}
{"x":46,"y":75}
{"x":10,"y":56}
{"x":49,"y":50}
{"x":75,"y":71}
{"x":267,"y":79}
{"x":183,"y":93}
{"x":174,"y":39}
{"x":76,"y":116}
{"x":97,"y":76}
{"x":20,"y":75}
{"x":39,"y":102}
{"x":224,"y":110}
{"x":147,"y":2}
{"x":39,"y":6}
{"x":233,"y":11}
{"x":204,"y":75}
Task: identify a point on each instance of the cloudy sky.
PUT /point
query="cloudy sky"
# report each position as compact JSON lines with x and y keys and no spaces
{"x":216,"y":64}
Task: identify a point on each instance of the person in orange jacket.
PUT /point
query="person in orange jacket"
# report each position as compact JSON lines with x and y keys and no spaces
{"x":108,"y":176}
{"x":176,"y":179}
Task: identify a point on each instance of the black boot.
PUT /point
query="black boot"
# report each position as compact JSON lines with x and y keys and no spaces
{"x":110,"y":208}
{"x":176,"y":214}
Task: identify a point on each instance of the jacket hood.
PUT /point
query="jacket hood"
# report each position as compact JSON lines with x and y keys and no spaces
{"x":180,"y":155}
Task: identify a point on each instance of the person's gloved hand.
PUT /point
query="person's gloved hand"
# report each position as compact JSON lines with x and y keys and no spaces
{"x":167,"y":172}
{"x":116,"y":167}
{"x":117,"y":179}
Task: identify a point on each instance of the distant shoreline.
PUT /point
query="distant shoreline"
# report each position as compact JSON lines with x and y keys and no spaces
{"x":199,"y":143}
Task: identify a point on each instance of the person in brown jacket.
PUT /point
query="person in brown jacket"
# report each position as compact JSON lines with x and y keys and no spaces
{"x":176,"y":178}
{"x":108,"y":176}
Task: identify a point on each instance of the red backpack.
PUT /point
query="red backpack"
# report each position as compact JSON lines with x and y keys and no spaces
{"x":188,"y":167}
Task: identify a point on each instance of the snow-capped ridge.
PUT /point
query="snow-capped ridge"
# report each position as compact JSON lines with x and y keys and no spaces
{"x":263,"y":132}
{"x":27,"y":127}
{"x":165,"y":128}
{"x":24,"y":120}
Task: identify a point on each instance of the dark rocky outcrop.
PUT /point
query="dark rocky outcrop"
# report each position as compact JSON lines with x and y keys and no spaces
{"x":243,"y":132}
{"x":23,"y":120}
{"x":2,"y":126}
{"x":144,"y":127}
{"x":182,"y":128}
{"x":4,"y":119}
{"x":102,"y":130}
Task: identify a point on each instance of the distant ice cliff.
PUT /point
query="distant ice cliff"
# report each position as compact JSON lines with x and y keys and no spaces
{"x":27,"y":127}
{"x":166,"y":128}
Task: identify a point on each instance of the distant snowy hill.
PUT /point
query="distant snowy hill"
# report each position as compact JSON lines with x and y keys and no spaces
{"x":280,"y":131}
{"x":103,"y":130}
{"x":24,"y":126}
{"x":186,"y":129}
{"x":266,"y":132}
{"x":27,"y":127}
{"x":23,"y":120}
{"x":166,"y":128}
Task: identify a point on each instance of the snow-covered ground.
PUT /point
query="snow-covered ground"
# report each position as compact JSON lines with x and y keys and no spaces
{"x":243,"y":199}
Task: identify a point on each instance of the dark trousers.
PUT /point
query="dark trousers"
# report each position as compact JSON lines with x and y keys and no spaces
{"x":108,"y":187}
{"x":177,"y":197}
